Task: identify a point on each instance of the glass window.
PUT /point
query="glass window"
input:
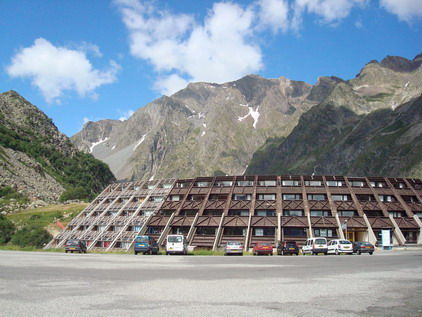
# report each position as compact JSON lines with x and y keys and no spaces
{"x":396,"y":214}
{"x":175,"y":198}
{"x":267,"y":213}
{"x":323,"y":233}
{"x":297,"y":213}
{"x":292,"y":196}
{"x":337,"y":197}
{"x":267,"y":183}
{"x":235,"y":212}
{"x":320,"y":213}
{"x":242,"y":197}
{"x":166,"y":186}
{"x":313,"y":183}
{"x":317,"y":197}
{"x":357,"y":184}
{"x":297,"y":232}
{"x":387,"y":198}
{"x":292,"y":183}
{"x":223,"y":183}
{"x":334,"y":183}
{"x":347,"y":213}
{"x":266,"y":197}
{"x":244,"y":183}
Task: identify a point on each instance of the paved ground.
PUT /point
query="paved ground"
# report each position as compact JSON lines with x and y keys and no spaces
{"x":53,"y":284}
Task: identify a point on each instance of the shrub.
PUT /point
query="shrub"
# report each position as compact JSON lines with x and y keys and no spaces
{"x":74,"y":193}
{"x":7,"y":228}
{"x":31,"y":236}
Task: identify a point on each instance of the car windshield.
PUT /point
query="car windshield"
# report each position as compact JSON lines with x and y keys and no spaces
{"x":174,"y":239}
{"x":72,"y":242}
{"x":320,"y":241}
{"x":344,"y":242}
{"x":234,"y":243}
{"x":142,"y":239}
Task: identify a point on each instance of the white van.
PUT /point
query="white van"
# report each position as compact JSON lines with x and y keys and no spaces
{"x":315,"y":246}
{"x":176,"y":244}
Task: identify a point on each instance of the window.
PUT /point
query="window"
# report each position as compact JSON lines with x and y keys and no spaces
{"x":363,"y":197}
{"x":196,"y":197}
{"x":418,"y":214}
{"x":166,"y":212}
{"x":335,"y":183}
{"x":319,"y":232}
{"x":174,"y":197}
{"x":410,"y":199}
{"x":217,"y":197}
{"x":292,"y":183}
{"x":182,"y":185}
{"x":223,"y":184}
{"x":341,"y":197}
{"x":317,"y":197}
{"x":166,"y":186}
{"x":244,"y":183}
{"x":262,"y":232}
{"x":296,"y":213}
{"x":357,"y":183}
{"x":147,"y":212}
{"x":267,"y":183}
{"x":234,"y":231}
{"x":295,"y":232}
{"x":320,"y":213}
{"x":401,"y":185}
{"x":267,"y":213}
{"x":201,"y":184}
{"x":313,"y":183}
{"x":292,"y":196}
{"x":234,"y":212}
{"x":266,"y":197}
{"x":156,"y":198}
{"x":187,"y":212}
{"x":373,"y":213}
{"x":396,"y":214}
{"x":213,"y":212}
{"x":205,"y":231}
{"x":387,"y":198}
{"x":242,"y":196}
{"x":150,"y":186}
{"x":347,"y":213}
{"x":378,"y":184}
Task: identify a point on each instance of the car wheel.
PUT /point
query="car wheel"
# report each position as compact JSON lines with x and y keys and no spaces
{"x":336,"y":252}
{"x":65,"y":251}
{"x":358,"y":253}
{"x":71,"y":251}
{"x":370,"y":253}
{"x":136,"y":253}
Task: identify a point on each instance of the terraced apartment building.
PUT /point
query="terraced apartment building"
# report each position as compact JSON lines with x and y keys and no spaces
{"x":213,"y":210}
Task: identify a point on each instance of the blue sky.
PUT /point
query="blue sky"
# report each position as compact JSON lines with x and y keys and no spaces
{"x":89,"y":60}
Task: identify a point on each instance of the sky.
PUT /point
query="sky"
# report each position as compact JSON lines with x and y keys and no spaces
{"x":82,"y":61}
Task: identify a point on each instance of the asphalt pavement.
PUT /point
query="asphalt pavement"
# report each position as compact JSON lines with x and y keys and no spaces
{"x":388,"y":283}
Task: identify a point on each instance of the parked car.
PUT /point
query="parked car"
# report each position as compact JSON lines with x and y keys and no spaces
{"x":233,"y":247}
{"x":315,"y":245}
{"x":363,"y":247}
{"x":146,"y":245}
{"x":287,"y":247}
{"x":263,"y":248}
{"x":75,"y":246}
{"x":176,"y":244}
{"x":338,"y":246}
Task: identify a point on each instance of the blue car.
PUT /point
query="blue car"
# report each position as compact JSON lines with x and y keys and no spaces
{"x":146,"y":245}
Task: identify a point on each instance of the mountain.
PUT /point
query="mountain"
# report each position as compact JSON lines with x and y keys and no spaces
{"x":213,"y":129}
{"x":39,"y":161}
{"x":204,"y":129}
{"x":336,"y":141}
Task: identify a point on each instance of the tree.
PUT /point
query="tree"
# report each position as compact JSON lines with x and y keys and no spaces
{"x":7,"y":228}
{"x":31,"y":236}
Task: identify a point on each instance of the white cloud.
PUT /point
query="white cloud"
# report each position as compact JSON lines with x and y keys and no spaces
{"x":274,"y":14}
{"x":54,"y":69}
{"x":126,"y":115}
{"x":330,"y":11}
{"x":406,"y":10}
{"x":217,"y":50}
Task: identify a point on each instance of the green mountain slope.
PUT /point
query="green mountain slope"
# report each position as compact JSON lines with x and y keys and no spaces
{"x":335,"y":140}
{"x":35,"y":158}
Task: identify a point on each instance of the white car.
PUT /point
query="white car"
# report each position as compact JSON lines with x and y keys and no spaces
{"x":315,"y":246}
{"x":233,"y":247}
{"x":340,"y":246}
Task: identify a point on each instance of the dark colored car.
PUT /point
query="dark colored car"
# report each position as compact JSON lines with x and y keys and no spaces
{"x":263,"y":248}
{"x":146,"y":245}
{"x":75,"y":246}
{"x":287,"y":247}
{"x":363,"y":247}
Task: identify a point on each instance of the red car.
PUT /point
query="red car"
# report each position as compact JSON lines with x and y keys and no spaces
{"x":263,"y":248}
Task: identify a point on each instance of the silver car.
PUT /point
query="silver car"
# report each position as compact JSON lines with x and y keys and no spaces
{"x":233,"y":247}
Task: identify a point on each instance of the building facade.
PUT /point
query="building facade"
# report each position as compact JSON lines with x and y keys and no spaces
{"x":213,"y":210}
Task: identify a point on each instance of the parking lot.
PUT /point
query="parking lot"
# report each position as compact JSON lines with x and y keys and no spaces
{"x":388,"y":283}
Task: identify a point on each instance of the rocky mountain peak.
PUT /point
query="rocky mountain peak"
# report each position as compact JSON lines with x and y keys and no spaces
{"x":399,"y":64}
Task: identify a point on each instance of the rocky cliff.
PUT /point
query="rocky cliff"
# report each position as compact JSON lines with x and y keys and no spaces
{"x":38,"y":160}
{"x":209,"y":129}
